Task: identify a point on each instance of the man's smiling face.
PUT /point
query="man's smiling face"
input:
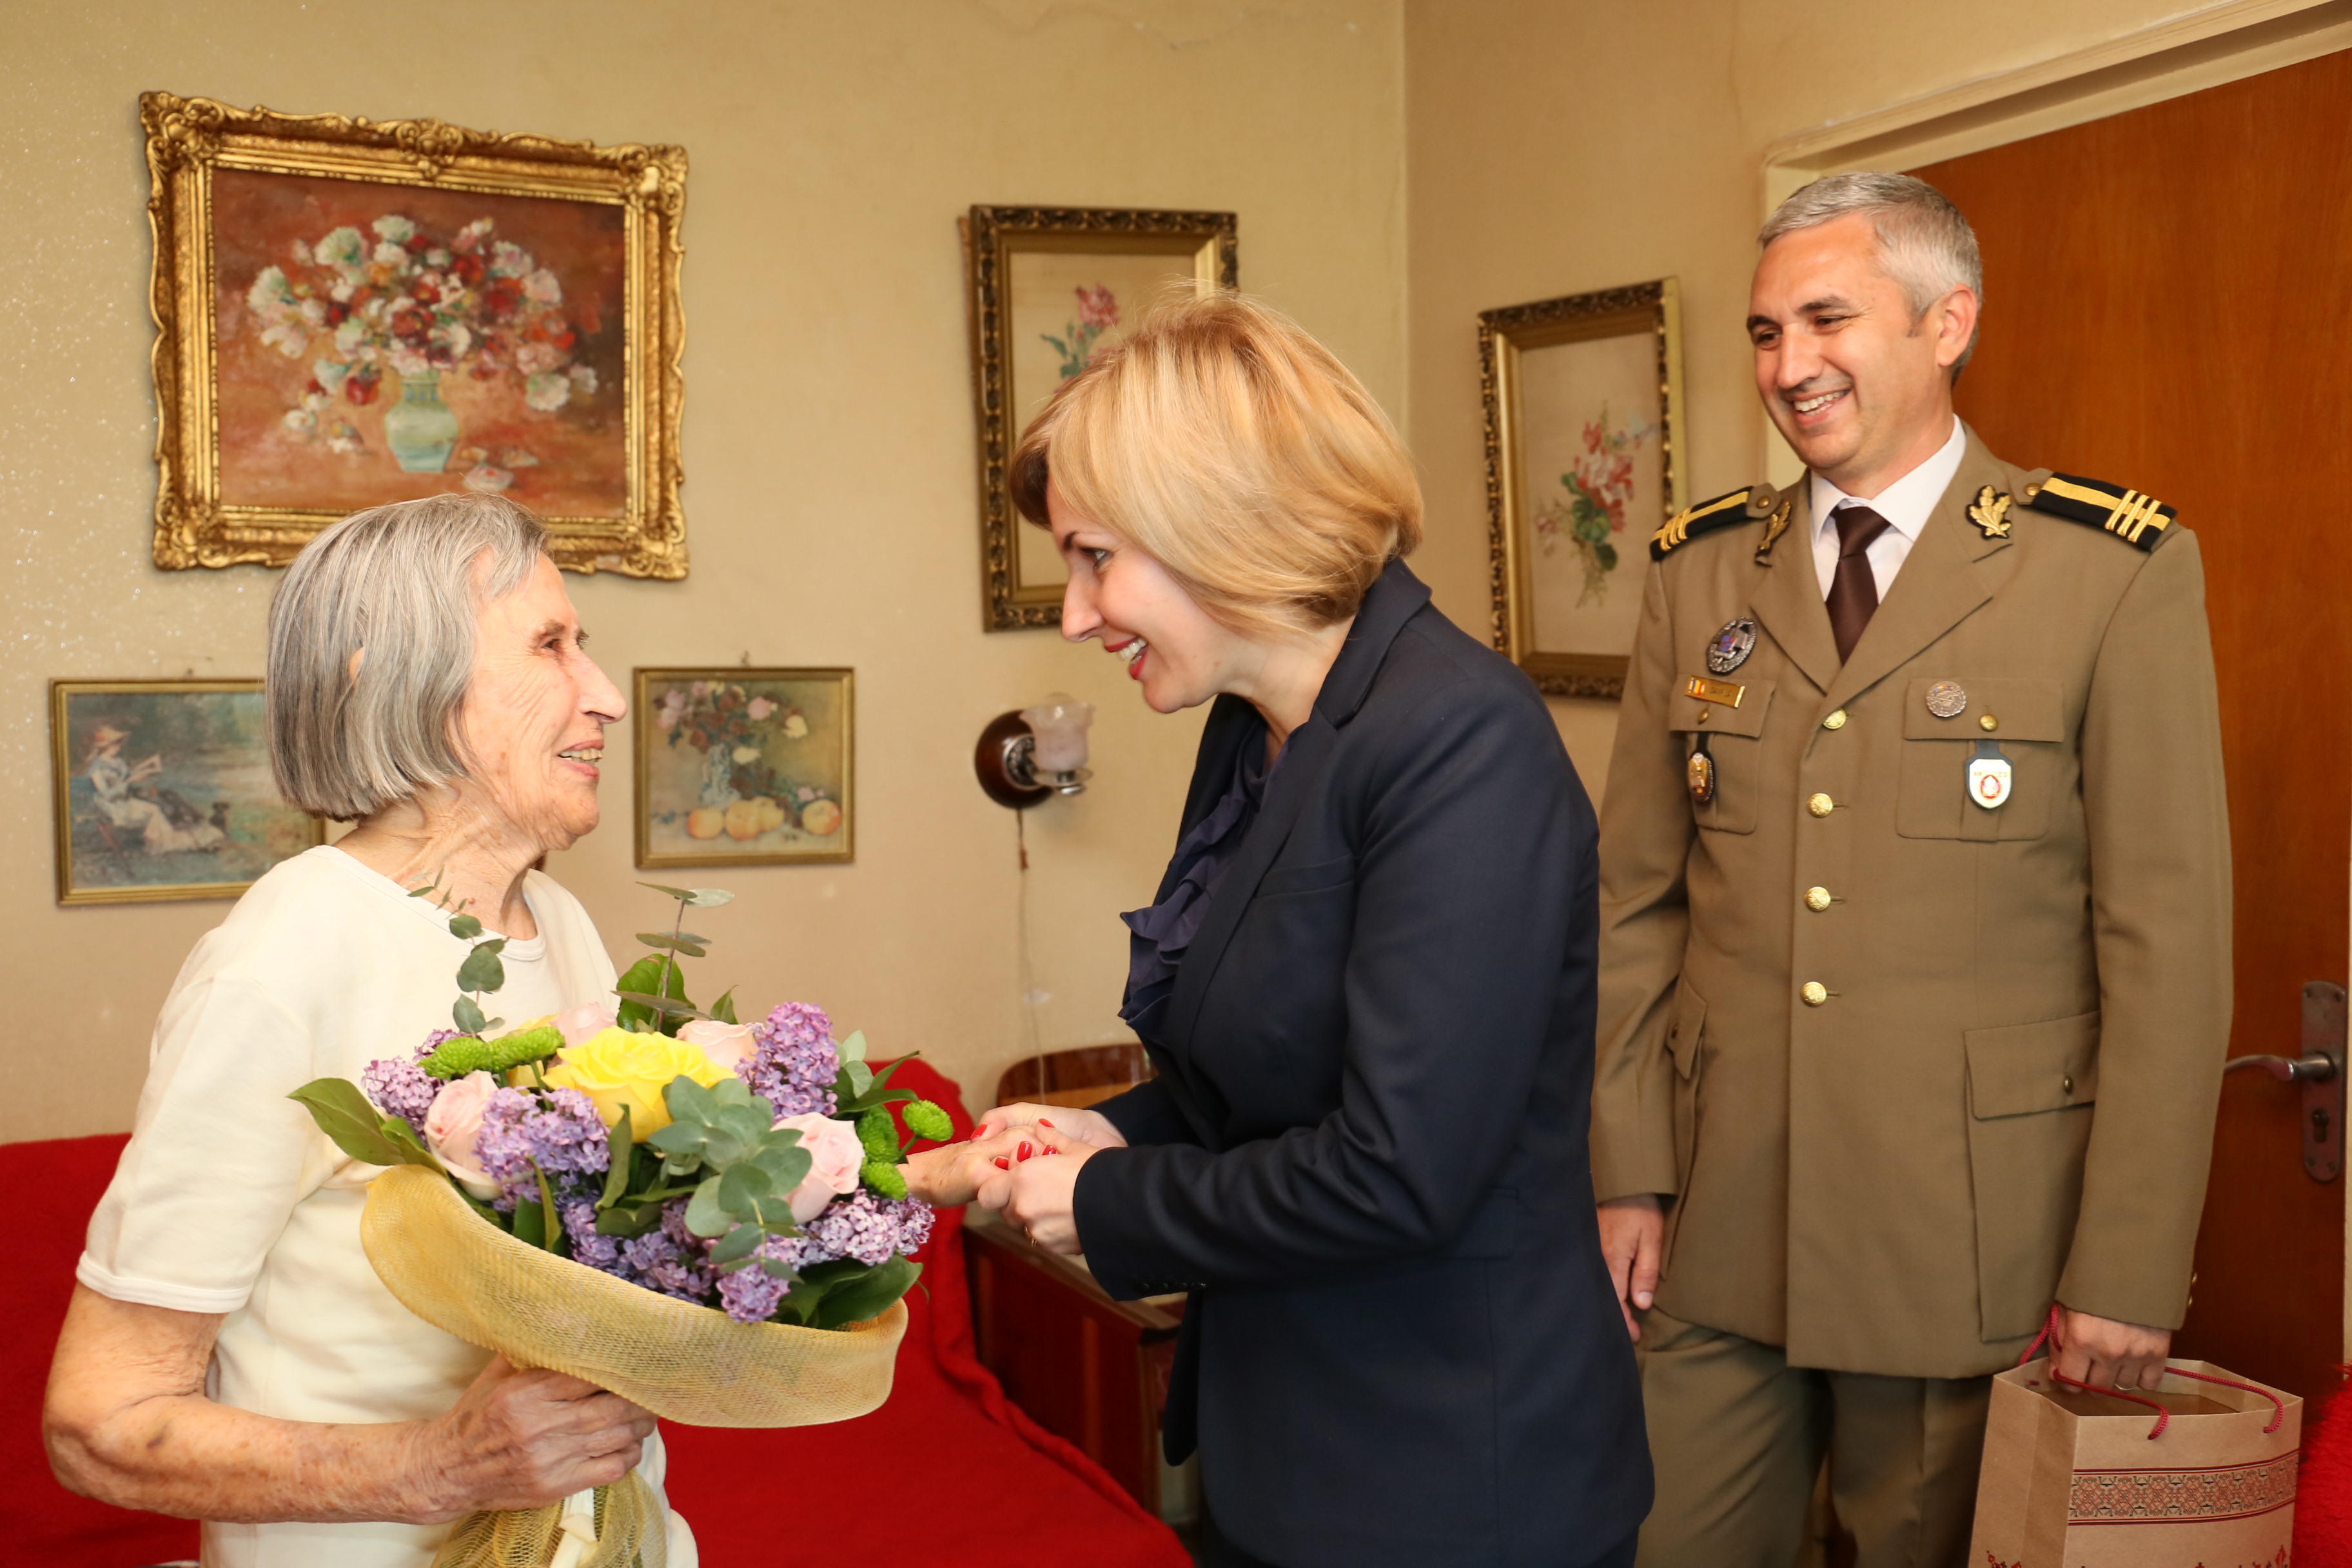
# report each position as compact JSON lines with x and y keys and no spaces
{"x":1858,"y":381}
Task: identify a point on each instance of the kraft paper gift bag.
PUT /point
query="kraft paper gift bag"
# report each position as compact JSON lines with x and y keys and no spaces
{"x":2194,"y":1473}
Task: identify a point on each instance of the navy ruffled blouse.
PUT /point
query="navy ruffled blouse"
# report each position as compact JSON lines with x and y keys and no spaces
{"x":1159,"y":935}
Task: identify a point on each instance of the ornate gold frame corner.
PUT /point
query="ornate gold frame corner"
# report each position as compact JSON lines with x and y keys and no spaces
{"x":991,"y":235}
{"x":1503,"y":335}
{"x":188,"y":138}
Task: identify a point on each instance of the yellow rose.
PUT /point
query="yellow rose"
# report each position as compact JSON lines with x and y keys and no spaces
{"x":620,"y":1067}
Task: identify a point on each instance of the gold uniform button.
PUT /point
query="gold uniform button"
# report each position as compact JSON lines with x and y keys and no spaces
{"x":1835,"y":721}
{"x":1703,"y":714}
{"x":1988,"y":722}
{"x":1817,"y":899}
{"x":1821,"y":805}
{"x":2067,"y":1084}
{"x":1814,"y":992}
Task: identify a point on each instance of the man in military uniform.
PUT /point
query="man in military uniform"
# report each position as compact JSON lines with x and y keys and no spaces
{"x":1915,"y":924}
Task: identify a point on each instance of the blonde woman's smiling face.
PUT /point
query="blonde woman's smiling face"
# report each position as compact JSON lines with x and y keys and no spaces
{"x":1174,"y":649}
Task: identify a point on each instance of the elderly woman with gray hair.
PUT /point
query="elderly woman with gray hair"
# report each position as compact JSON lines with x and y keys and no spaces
{"x":229,"y":1356}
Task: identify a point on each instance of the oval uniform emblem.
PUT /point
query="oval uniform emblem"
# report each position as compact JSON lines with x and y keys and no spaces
{"x":1732,"y":646}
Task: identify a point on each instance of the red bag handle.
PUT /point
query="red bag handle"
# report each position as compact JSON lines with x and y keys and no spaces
{"x":2163,"y":1417}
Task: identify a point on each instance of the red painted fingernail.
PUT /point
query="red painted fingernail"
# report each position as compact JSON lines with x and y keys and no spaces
{"x":1043,"y":1123}
{"x":1002,"y":1164}
{"x":1051,"y":1150}
{"x":1025,"y":1151}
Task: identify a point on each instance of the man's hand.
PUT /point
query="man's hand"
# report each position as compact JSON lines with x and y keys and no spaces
{"x":2105,"y":1354}
{"x":1632,"y":1236}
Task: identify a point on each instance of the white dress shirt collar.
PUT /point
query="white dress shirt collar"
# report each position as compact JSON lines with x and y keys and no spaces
{"x":1906,"y":505}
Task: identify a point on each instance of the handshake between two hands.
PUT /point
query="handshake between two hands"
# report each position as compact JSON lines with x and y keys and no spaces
{"x":1022,"y":1162}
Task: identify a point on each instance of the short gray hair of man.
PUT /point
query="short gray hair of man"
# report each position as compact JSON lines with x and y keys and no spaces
{"x":1925,"y":243}
{"x":397,"y":588}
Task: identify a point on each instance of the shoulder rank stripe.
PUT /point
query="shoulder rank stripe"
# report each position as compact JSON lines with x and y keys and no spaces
{"x":1705,"y":518}
{"x":2136,"y":519}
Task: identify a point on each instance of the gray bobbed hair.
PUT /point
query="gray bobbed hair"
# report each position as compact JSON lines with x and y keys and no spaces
{"x":1925,"y":243}
{"x":399,"y":586}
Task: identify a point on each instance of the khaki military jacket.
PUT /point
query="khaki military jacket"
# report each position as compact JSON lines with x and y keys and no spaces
{"x":1909,"y":1067}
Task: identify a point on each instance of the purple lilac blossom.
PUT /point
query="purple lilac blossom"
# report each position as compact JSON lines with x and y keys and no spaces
{"x":866,"y":1228}
{"x":588,"y":1246}
{"x":557,"y":1131}
{"x":400,"y":1088}
{"x":795,"y":1062}
{"x":671,"y":1260}
{"x":750,"y":1294}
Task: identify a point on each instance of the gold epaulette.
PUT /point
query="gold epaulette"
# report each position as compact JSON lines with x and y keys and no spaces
{"x":2134,"y":517}
{"x":1752,"y":504}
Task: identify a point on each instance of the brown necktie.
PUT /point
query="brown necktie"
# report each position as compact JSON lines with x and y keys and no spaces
{"x":1854,"y":591}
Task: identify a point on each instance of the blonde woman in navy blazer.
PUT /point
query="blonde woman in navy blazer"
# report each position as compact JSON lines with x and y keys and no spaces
{"x":1367,"y":983}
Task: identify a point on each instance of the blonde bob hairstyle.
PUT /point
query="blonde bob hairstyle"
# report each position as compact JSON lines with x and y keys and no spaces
{"x":1234,"y":451}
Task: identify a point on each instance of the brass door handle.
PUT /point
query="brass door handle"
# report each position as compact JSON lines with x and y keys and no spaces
{"x":2317,"y":1067}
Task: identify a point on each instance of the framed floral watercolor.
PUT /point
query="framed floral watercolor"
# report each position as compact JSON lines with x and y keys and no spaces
{"x":351,"y":312}
{"x":744,"y":767}
{"x":1051,"y":287}
{"x":1584,"y":463}
{"x":163,"y":790}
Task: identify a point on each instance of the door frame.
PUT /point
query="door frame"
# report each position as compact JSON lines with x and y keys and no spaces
{"x":2182,"y":55}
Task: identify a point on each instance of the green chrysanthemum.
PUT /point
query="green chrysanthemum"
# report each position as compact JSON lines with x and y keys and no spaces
{"x":470,"y":1053}
{"x":883,"y":1178}
{"x":925,"y":1119}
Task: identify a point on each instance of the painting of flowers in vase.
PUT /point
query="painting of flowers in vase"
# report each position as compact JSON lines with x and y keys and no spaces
{"x":380,"y":341}
{"x":743,"y":767}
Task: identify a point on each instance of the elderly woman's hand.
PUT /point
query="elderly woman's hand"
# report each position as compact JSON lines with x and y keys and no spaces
{"x":522,"y":1439}
{"x":947,"y":1177}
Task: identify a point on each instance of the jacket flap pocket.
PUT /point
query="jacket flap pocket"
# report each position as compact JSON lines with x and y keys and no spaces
{"x":1306,"y":879}
{"x":1686,"y":1029}
{"x":1707,"y":703}
{"x":2022,"y":710}
{"x":2025,"y":1067}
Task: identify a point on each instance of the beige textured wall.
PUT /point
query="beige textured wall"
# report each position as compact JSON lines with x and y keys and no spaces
{"x":1553,"y":149}
{"x":828,"y":434}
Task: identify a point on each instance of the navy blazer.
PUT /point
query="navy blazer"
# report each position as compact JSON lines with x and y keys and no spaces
{"x":1365,"y":1154}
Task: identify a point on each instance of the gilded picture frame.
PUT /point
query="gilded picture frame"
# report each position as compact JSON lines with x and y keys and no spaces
{"x":745,"y":767}
{"x":162,"y":790}
{"x":1050,"y":286}
{"x":321,"y":283}
{"x":1584,"y":463}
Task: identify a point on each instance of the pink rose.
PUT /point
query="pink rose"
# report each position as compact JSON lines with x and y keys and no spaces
{"x":726,"y":1044}
{"x":454,"y":1122}
{"x":835,"y":1154}
{"x":582,"y":1024}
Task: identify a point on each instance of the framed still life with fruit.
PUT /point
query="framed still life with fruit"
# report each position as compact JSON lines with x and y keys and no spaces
{"x":744,"y":767}
{"x":163,"y":790}
{"x":351,"y":312}
{"x":1051,"y":287}
{"x":1584,"y":463}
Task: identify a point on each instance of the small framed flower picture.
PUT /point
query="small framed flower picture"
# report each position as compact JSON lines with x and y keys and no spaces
{"x":163,"y":790}
{"x":1584,"y":463}
{"x":744,"y":767}
{"x":352,"y":313}
{"x":1051,"y":287}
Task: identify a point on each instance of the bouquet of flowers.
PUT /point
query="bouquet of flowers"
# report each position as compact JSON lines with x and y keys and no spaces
{"x":681,"y":1208}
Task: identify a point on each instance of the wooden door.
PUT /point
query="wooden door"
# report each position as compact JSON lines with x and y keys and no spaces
{"x":2169,"y":305}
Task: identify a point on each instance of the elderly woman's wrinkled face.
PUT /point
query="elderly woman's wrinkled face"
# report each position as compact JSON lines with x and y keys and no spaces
{"x":535,"y":713}
{"x":1179,"y":653}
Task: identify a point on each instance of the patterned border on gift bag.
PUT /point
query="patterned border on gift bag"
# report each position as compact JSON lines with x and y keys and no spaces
{"x":2143,"y":1496}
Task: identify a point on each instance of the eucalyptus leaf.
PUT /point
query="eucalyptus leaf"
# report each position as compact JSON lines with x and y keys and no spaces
{"x":704,"y":1216}
{"x":852,"y":1049}
{"x":740,"y":1242}
{"x":777,"y":1268}
{"x":709,"y":898}
{"x":684,"y":941}
{"x":683,"y":895}
{"x":482,"y":971}
{"x":860,"y":1076}
{"x":468,"y":1016}
{"x":465,"y":928}
{"x":667,"y":1006}
{"x":724,"y":1008}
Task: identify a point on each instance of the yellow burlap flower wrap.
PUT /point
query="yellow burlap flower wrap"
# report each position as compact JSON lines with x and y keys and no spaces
{"x":683,"y":1362}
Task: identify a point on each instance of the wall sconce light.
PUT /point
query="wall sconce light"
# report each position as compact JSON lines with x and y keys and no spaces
{"x":1026,"y":757}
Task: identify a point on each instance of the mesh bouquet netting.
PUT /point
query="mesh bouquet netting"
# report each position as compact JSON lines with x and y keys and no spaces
{"x":682,"y":1362}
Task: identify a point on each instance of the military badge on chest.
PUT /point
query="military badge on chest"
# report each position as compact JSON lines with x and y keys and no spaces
{"x":1988,"y":771}
{"x":1732,"y":646}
